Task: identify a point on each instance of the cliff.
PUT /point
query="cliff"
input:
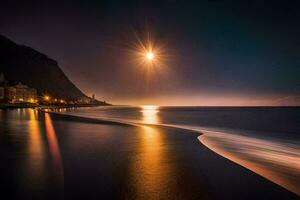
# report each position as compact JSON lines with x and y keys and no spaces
{"x":23,"y":64}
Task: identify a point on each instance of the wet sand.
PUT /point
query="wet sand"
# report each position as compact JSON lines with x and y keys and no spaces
{"x":47,"y":156}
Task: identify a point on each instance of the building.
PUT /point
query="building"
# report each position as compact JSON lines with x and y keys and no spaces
{"x":10,"y":94}
{"x":20,"y":94}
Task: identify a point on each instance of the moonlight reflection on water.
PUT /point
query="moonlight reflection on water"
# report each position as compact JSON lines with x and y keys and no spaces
{"x":150,"y":114}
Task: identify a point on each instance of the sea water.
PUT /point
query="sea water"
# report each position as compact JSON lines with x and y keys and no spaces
{"x":265,"y":140}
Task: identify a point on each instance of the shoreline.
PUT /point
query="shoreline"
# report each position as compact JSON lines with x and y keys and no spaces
{"x":258,"y":166}
{"x":201,"y":134}
{"x":209,"y":162}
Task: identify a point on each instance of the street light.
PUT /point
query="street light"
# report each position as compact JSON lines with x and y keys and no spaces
{"x":46,"y":98}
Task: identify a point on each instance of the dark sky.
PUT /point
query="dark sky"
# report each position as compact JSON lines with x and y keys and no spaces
{"x":217,"y":52}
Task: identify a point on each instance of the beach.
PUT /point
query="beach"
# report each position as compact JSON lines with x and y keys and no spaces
{"x":54,"y":156}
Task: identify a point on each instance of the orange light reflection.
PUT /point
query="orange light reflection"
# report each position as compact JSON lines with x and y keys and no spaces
{"x":53,"y":145}
{"x":36,"y":152}
{"x":150,"y":114}
{"x":150,"y":173}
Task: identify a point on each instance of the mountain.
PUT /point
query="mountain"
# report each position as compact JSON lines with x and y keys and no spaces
{"x":23,"y":64}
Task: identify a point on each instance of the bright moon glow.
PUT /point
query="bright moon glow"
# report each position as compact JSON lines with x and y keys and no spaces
{"x":149,"y":55}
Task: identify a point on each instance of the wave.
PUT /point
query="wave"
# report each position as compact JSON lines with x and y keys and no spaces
{"x":277,"y":161}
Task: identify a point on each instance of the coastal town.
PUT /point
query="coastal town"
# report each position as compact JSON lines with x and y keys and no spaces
{"x":17,"y":94}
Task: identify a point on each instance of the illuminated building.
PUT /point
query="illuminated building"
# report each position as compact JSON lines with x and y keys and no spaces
{"x":20,"y":93}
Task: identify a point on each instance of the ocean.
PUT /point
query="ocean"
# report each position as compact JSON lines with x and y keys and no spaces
{"x":277,"y":122}
{"x":265,"y":140}
{"x":168,"y":153}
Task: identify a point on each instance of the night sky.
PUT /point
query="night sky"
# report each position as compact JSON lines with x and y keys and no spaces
{"x":217,"y":52}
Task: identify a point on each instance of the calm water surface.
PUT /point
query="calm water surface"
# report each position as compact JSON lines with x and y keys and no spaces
{"x":265,"y":140}
{"x":45,"y":158}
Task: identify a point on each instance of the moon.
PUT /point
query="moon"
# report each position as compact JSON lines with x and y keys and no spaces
{"x":149,"y":55}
